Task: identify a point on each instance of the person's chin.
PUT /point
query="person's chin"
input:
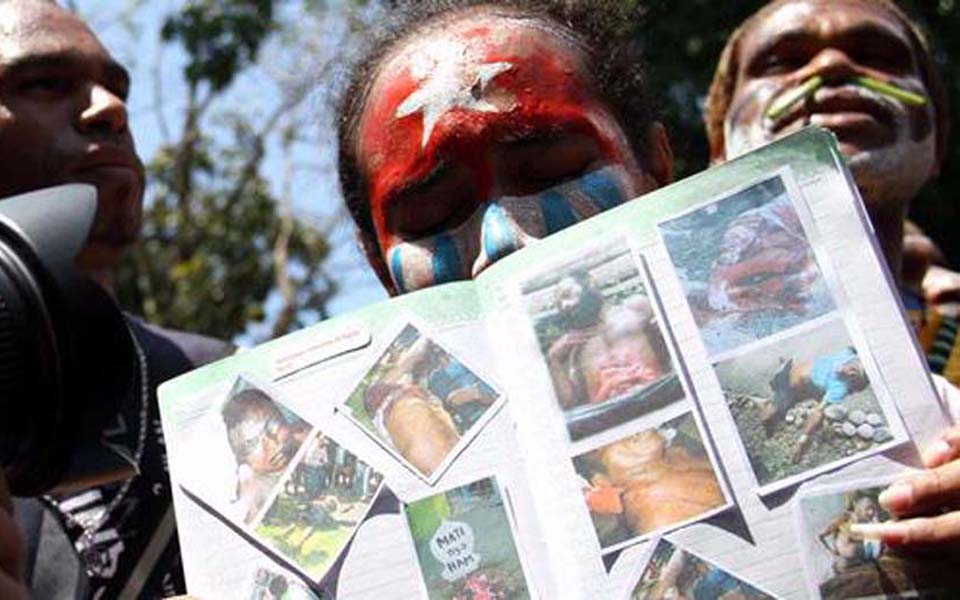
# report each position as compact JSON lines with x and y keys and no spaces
{"x":99,"y":257}
{"x":121,"y":183}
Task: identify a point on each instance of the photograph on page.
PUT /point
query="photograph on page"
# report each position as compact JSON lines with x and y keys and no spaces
{"x":271,"y":584}
{"x":805,"y":402}
{"x":650,"y":481}
{"x":602,"y":339}
{"x":319,"y":505}
{"x":239,"y":451}
{"x":672,"y":573}
{"x":840,"y":564}
{"x":746,"y":265}
{"x":465,"y":544}
{"x":420,"y":402}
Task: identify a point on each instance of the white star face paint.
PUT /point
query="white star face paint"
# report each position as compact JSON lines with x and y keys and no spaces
{"x":502,"y":226}
{"x":467,"y":132}
{"x":453,"y":79}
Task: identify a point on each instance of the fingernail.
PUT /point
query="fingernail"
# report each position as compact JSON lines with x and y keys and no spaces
{"x":938,"y":453}
{"x":890,"y":532}
{"x":898,"y":497}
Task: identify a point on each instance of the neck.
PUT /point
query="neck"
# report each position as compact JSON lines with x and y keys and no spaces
{"x":102,"y":277}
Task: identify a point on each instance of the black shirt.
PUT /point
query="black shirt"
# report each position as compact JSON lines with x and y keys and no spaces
{"x":134,"y":551}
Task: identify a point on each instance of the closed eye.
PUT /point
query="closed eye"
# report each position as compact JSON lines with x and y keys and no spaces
{"x":441,"y":201}
{"x":535,"y":164}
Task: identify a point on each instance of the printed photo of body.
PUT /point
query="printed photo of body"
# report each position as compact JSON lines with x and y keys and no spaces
{"x":841,"y":562}
{"x":465,"y":545}
{"x":320,"y":503}
{"x":601,"y":339}
{"x":676,"y":574}
{"x":746,"y":266}
{"x":649,"y":481}
{"x":421,"y":402}
{"x":804,"y":404}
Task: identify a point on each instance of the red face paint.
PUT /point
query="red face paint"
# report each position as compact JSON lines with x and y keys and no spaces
{"x":445,"y":100}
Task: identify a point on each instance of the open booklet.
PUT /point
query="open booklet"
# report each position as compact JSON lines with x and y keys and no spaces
{"x":678,"y":366}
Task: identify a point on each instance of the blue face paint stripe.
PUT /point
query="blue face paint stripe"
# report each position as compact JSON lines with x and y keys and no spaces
{"x":499,"y":239}
{"x":557,"y":213}
{"x":603,"y":188}
{"x":396,"y":269}
{"x":446,"y":260}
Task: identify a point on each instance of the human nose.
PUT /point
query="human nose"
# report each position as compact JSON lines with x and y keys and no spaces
{"x":501,"y":233}
{"x":105,"y":112}
{"x":832,"y":65}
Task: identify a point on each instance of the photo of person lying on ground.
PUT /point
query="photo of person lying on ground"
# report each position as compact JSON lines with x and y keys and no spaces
{"x":842,"y":559}
{"x":321,"y":502}
{"x":649,"y":481}
{"x":601,"y":339}
{"x":421,"y":402}
{"x":804,"y":404}
{"x":746,"y":266}
{"x":676,"y":574}
{"x":465,"y":545}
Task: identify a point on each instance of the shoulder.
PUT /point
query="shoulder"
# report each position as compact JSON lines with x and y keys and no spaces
{"x":174,"y":352}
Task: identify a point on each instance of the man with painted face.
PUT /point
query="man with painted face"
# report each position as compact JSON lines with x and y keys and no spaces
{"x":861,"y":69}
{"x":63,"y":119}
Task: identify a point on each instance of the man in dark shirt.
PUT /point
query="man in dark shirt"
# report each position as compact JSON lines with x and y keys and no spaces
{"x":63,"y":119}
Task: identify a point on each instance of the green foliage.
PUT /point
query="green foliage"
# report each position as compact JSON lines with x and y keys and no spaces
{"x":218,"y":239}
{"x":683,"y":40}
{"x":221,"y":37}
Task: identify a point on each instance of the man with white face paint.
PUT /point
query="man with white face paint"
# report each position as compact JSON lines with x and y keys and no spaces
{"x":860,"y":69}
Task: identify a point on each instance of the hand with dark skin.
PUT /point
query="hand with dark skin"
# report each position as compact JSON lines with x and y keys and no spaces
{"x":11,"y":549}
{"x":923,"y":502}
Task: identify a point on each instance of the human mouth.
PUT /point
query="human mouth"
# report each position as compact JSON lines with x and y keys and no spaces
{"x":853,"y":114}
{"x":108,"y":157}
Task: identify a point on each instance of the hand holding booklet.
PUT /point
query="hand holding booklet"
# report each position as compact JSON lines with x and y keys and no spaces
{"x":677,"y":397}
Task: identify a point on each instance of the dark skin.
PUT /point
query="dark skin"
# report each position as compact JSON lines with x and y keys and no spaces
{"x":890,"y":146}
{"x":891,"y":152}
{"x":63,"y":119}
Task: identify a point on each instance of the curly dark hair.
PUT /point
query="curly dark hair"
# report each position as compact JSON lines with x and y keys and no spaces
{"x":603,"y":29}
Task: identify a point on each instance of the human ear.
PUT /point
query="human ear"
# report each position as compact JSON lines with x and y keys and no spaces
{"x":659,"y":154}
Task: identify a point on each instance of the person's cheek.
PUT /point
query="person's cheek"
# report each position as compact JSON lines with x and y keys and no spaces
{"x":501,"y":227}
{"x":511,"y":223}
{"x":435,"y":259}
{"x":745,"y":127}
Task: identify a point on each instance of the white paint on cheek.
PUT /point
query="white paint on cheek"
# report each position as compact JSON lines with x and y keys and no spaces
{"x":893,"y":174}
{"x":748,"y":133}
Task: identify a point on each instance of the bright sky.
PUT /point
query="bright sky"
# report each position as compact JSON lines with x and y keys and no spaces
{"x":131,"y":32}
